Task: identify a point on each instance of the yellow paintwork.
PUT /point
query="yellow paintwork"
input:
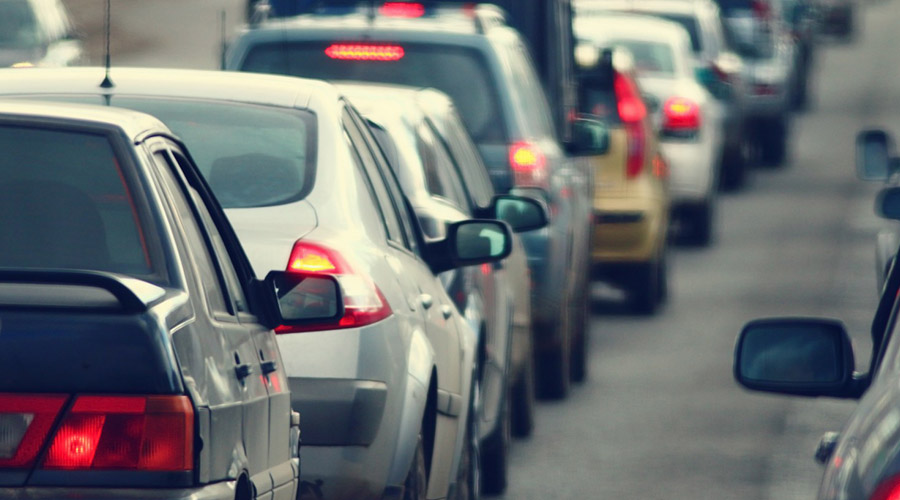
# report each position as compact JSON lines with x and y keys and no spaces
{"x":646,"y":194}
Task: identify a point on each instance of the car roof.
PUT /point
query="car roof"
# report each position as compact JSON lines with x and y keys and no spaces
{"x":470,"y":20}
{"x":132,"y":123}
{"x":638,"y":27}
{"x":686,"y":7}
{"x":383,"y":96}
{"x":252,"y":88}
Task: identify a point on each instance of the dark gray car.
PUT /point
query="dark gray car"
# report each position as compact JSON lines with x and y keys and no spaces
{"x":137,"y":358}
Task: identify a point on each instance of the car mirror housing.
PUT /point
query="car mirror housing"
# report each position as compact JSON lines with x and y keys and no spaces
{"x":590,"y":137}
{"x":800,"y":356}
{"x":470,"y":242}
{"x":522,"y":213}
{"x":874,"y":150}
{"x":300,"y":299}
{"x":887,"y":204}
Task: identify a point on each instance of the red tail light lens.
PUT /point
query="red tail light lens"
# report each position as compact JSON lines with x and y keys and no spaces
{"x":888,"y":490}
{"x":149,"y":433}
{"x":681,"y":117}
{"x":402,"y":9}
{"x":25,"y":422}
{"x":529,"y":165}
{"x":364,"y":304}
{"x":632,"y":113}
{"x":365,"y":52}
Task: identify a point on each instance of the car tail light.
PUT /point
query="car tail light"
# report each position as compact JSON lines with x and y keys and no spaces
{"x":762,"y":9}
{"x":146,"y":433}
{"x":402,"y":9}
{"x":887,"y":490}
{"x":364,"y":52}
{"x":529,"y":165}
{"x":364,"y":304}
{"x":681,"y":118}
{"x":632,"y":112}
{"x":25,"y":422}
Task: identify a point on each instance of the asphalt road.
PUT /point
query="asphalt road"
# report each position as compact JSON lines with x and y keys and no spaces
{"x":661,"y":417}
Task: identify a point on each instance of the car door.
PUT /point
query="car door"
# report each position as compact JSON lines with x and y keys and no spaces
{"x":232,"y":329}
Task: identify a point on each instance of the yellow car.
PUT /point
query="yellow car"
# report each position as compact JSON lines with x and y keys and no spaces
{"x":631,"y":198}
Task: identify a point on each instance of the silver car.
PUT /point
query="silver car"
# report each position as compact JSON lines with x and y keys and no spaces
{"x":386,"y":392}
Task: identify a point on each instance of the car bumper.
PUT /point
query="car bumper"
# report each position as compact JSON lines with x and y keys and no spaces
{"x":691,"y":170}
{"x":217,"y":491}
{"x":628,"y":229}
{"x":357,"y":400}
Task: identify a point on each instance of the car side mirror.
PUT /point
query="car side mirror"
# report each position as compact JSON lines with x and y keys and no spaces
{"x":468,"y":243}
{"x":874,"y":151}
{"x":298,"y":300}
{"x":522,"y":213}
{"x":887,"y":203}
{"x":807,"y":357}
{"x":590,"y":137}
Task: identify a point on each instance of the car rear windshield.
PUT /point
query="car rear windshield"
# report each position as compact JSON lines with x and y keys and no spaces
{"x":65,"y":204}
{"x":690,"y":24}
{"x":460,"y":72}
{"x":650,"y":58}
{"x":729,"y":6}
{"x":251,"y":156}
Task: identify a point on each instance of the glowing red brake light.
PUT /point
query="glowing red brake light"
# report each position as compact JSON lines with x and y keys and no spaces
{"x":632,"y":113}
{"x":365,"y":52}
{"x":630,"y":104}
{"x":681,"y":117}
{"x":150,"y":433}
{"x":529,"y":165}
{"x":888,"y":490}
{"x":364,"y":304}
{"x":25,"y":422}
{"x":402,"y":9}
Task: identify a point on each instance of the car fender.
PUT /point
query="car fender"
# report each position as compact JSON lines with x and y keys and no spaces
{"x":420,"y":364}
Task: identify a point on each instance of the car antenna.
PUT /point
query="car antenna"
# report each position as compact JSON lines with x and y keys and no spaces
{"x":107,"y":83}
{"x":222,"y":19}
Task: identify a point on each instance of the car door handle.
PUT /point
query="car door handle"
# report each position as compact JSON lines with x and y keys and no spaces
{"x":447,"y":312}
{"x":426,"y":300}
{"x":243,"y":371}
{"x":268,"y":367}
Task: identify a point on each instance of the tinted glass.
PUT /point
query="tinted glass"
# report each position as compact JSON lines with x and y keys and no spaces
{"x":461,"y":73}
{"x":690,"y":24}
{"x":728,"y":6}
{"x":64,"y":203}
{"x":18,"y":26}
{"x":252,"y":156}
{"x":649,"y":57}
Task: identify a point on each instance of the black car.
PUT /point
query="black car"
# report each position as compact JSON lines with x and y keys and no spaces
{"x":137,"y":357}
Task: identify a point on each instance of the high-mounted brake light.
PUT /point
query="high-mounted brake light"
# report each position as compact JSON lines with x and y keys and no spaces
{"x":402,"y":9}
{"x":681,"y":117}
{"x":25,"y":422}
{"x":632,"y":112}
{"x":147,"y":433}
{"x":364,"y":304}
{"x":364,"y":52}
{"x":529,"y":165}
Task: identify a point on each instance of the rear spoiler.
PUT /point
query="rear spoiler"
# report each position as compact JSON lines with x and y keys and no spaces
{"x":133,"y":296}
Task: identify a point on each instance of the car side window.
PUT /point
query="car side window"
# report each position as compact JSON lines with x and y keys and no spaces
{"x":535,"y":101}
{"x":440,"y":176}
{"x":365,"y":156}
{"x":468,"y":163}
{"x":215,"y":270}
